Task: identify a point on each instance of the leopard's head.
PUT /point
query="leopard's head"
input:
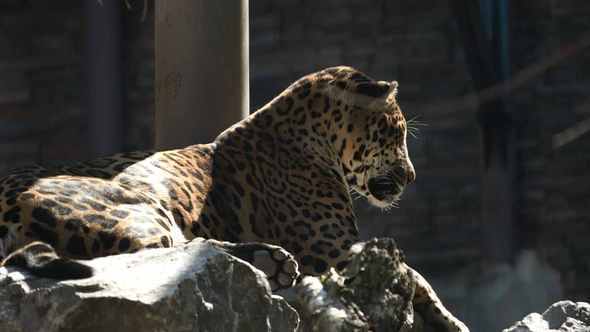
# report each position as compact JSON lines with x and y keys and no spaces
{"x":372,"y":138}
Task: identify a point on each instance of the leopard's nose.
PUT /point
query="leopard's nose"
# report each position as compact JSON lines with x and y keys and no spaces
{"x":410,"y":174}
{"x":406,"y":172}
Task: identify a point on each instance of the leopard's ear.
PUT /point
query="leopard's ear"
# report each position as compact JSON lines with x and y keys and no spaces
{"x":393,"y":88}
{"x":391,"y":94}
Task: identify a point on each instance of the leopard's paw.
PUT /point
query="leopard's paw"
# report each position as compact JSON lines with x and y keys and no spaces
{"x":277,"y":263}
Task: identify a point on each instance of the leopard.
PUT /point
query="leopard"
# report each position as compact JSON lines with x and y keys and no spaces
{"x":273,"y":189}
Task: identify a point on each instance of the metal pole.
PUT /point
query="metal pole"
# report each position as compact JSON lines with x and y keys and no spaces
{"x":103,"y":67}
{"x":499,"y":190}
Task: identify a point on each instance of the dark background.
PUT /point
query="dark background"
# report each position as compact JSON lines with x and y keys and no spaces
{"x":495,"y":252}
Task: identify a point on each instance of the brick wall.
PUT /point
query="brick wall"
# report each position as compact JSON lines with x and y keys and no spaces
{"x":39,"y":89}
{"x":555,"y":181}
{"x":416,"y":43}
{"x":41,"y":47}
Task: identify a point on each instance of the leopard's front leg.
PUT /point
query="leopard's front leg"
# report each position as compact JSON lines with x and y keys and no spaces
{"x":425,"y":301}
{"x":431,"y":308}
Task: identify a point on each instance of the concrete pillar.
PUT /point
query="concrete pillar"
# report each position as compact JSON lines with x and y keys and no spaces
{"x":104,"y":75}
{"x":201,"y":69}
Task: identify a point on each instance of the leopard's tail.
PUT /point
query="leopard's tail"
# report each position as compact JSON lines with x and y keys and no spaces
{"x":41,"y":260}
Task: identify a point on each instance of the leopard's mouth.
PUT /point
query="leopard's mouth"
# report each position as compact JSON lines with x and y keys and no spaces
{"x":385,"y":190}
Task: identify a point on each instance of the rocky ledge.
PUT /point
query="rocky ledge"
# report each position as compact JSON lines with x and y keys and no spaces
{"x":198,"y":287}
{"x":194,"y":287}
{"x":373,"y":294}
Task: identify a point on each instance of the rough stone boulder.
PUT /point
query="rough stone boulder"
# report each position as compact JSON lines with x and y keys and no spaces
{"x":373,"y":294}
{"x":564,"y":316}
{"x":194,"y":287}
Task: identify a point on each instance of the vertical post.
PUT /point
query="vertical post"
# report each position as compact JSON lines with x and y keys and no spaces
{"x":497,"y":125}
{"x":484,"y":26}
{"x":201,"y":69}
{"x":103,"y":66}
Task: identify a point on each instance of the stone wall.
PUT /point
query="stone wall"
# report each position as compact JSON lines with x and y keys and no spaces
{"x":416,"y":43}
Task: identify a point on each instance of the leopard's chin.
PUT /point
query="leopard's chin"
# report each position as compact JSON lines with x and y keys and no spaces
{"x":384,"y":203}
